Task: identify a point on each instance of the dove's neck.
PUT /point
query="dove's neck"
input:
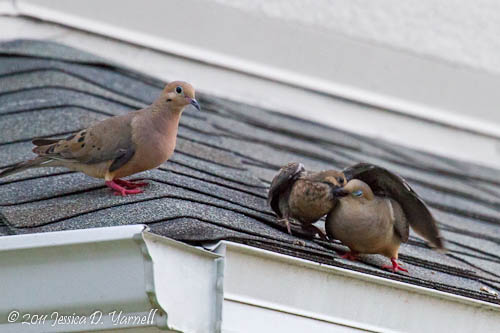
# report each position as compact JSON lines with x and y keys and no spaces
{"x":165,"y":124}
{"x":166,"y":121}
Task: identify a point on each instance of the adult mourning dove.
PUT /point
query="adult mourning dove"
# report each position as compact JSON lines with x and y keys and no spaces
{"x":374,"y":213}
{"x":119,"y":146}
{"x":296,"y":194}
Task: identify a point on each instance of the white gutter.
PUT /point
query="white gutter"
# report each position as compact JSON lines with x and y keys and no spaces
{"x":401,"y":89}
{"x":106,"y":279}
{"x":95,"y":274}
{"x":288,"y":294}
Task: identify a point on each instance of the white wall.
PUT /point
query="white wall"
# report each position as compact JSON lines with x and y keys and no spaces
{"x":459,"y":31}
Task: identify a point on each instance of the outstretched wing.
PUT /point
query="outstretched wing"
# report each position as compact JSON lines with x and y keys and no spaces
{"x":385,"y":183}
{"x":281,"y":182}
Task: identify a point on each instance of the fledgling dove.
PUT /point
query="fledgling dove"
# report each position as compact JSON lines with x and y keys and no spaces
{"x":375,"y":210}
{"x":303,"y":196}
{"x":119,"y":146}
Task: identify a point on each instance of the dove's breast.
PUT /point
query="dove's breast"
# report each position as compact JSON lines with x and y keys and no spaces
{"x":154,"y":142}
{"x":309,"y":201}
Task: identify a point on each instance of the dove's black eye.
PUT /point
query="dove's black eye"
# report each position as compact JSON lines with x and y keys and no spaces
{"x":178,"y":90}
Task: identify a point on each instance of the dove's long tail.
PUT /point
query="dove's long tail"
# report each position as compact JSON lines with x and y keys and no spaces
{"x":21,"y":166}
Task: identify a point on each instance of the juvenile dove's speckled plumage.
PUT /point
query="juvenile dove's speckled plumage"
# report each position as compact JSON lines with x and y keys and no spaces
{"x":299,"y":195}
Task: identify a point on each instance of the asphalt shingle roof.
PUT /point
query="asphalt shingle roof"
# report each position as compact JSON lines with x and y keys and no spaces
{"x":215,"y":185}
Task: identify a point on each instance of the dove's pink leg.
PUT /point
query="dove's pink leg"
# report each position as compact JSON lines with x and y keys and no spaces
{"x":287,"y":223}
{"x":118,"y":190}
{"x":352,"y":255}
{"x":129,"y":184}
{"x":395,"y":266}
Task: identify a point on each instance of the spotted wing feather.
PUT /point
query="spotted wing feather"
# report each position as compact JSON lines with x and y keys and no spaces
{"x":281,"y":182}
{"x":109,"y":140}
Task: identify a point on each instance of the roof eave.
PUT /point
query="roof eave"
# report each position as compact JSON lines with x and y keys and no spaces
{"x":136,"y":271}
{"x":307,"y":293}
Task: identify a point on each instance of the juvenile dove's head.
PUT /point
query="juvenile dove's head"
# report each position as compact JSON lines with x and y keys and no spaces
{"x":356,"y":189}
{"x":335,"y":180}
{"x":177,"y":95}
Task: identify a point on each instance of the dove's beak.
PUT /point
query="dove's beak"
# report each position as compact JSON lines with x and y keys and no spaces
{"x":339,"y":192}
{"x":194,"y":103}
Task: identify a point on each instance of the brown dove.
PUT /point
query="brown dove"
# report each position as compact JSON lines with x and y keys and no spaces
{"x":299,"y":195}
{"x":119,"y":146}
{"x":375,"y":210}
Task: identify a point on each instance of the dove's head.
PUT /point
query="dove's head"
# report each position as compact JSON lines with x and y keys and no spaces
{"x":356,"y":189}
{"x":178,"y":94}
{"x":334,"y":179}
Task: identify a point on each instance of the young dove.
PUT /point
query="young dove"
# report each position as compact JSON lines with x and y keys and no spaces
{"x":374,"y":213}
{"x":296,"y":194}
{"x":119,"y":146}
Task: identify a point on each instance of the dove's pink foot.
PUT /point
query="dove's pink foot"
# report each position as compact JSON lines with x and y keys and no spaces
{"x":353,"y":255}
{"x":129,"y":184}
{"x":395,"y":266}
{"x":118,"y":190}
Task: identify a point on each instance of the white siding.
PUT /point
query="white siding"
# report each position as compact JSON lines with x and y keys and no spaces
{"x":463,"y":32}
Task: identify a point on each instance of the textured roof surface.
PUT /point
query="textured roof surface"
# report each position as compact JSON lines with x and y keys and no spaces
{"x":214,"y":187}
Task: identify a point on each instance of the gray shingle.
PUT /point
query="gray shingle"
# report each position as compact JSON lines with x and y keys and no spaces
{"x":215,"y":185}
{"x":47,"y":49}
{"x":19,"y":126}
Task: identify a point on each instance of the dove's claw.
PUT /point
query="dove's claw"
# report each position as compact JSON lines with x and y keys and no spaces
{"x":119,"y":190}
